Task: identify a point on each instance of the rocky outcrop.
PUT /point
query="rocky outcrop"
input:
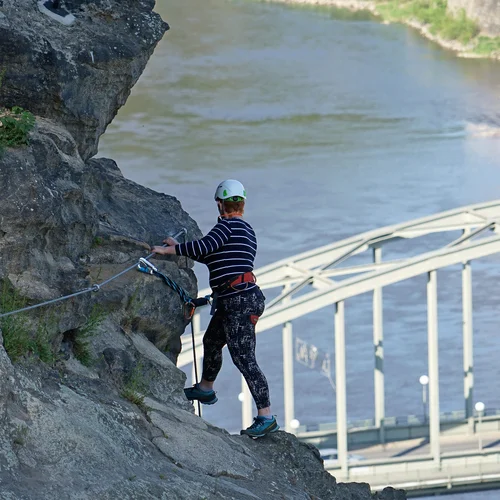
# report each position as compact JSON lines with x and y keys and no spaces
{"x":93,"y":407}
{"x":66,"y":225}
{"x":68,"y":436}
{"x":79,"y":74}
{"x":485,"y":12}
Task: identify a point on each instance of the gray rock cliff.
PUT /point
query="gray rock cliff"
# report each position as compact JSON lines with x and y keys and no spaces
{"x":91,"y":402}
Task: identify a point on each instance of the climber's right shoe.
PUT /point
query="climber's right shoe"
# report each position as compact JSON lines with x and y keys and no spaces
{"x":260,"y":427}
{"x":205,"y":397}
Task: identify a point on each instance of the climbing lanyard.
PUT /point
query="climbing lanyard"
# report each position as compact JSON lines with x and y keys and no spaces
{"x":189,"y":304}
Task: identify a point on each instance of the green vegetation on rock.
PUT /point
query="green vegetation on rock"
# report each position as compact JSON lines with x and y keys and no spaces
{"x":487,"y":46}
{"x":15,"y":125}
{"x":18,"y":336}
{"x":81,"y":337}
{"x":434,"y":15}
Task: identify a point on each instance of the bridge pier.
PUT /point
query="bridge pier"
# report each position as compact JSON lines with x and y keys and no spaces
{"x":378,"y":342}
{"x":433,"y":360}
{"x":288,"y":380}
{"x":467,"y":340}
{"x":340,"y":381}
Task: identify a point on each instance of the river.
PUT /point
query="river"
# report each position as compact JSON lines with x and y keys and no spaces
{"x":336,"y":124}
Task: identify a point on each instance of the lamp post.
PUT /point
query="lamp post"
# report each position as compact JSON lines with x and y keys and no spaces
{"x":424,"y":381}
{"x":479,"y":406}
{"x":294,"y":424}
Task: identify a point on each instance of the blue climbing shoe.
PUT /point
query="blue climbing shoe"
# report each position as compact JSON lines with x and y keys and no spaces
{"x":260,"y":427}
{"x":204,"y":397}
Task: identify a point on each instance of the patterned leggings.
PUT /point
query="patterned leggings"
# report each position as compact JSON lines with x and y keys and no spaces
{"x":232,"y":325}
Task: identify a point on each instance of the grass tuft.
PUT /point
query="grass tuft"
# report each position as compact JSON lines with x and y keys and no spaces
{"x":135,"y":388}
{"x":19,"y":336}
{"x":81,"y":337}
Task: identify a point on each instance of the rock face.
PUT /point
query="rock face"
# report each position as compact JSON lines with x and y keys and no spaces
{"x":485,"y":12}
{"x":93,"y":406}
{"x":72,"y":437}
{"x":79,"y":74}
{"x":67,"y":224}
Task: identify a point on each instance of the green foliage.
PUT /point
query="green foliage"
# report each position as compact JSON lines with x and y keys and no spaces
{"x":132,"y":308}
{"x":486,"y":46}
{"x":135,"y":388}
{"x":18,"y":338}
{"x":432,"y":13}
{"x":20,"y":435}
{"x":97,"y":242}
{"x":81,"y":347}
{"x":15,"y":126}
{"x":458,"y":28}
{"x":42,"y":343}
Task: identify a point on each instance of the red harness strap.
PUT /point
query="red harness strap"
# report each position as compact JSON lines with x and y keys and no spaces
{"x":244,"y":278}
{"x":248,"y":277}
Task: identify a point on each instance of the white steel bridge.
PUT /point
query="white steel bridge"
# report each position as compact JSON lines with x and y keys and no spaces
{"x":310,"y":281}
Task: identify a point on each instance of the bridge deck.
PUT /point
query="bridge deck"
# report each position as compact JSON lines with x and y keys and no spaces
{"x":408,"y":465}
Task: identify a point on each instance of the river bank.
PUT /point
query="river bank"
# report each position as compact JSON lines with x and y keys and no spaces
{"x":456,"y":33}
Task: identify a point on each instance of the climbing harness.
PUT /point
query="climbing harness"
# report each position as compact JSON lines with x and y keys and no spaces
{"x":247,"y":278}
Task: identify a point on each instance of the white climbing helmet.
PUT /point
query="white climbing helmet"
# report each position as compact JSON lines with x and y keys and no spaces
{"x":230,"y":188}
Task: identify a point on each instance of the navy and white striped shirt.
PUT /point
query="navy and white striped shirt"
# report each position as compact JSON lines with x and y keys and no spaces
{"x":228,"y":250}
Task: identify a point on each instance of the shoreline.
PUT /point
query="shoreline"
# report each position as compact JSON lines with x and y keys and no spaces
{"x":460,"y":49}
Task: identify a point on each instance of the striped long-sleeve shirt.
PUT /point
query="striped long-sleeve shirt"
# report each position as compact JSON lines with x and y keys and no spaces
{"x":228,"y":250}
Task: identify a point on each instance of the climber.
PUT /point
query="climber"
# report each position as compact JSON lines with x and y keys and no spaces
{"x":229,"y":252}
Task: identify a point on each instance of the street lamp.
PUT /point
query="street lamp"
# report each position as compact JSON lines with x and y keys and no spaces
{"x":294,"y":424}
{"x":479,"y":406}
{"x":424,"y":381}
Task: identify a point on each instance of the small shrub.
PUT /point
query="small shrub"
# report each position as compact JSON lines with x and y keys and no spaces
{"x":97,"y":241}
{"x":20,"y":435}
{"x":132,"y":308}
{"x":135,"y":388}
{"x":15,"y":329}
{"x":42,"y":344}
{"x":15,"y":125}
{"x":19,"y":334}
{"x":486,"y":45}
{"x":459,"y":28}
